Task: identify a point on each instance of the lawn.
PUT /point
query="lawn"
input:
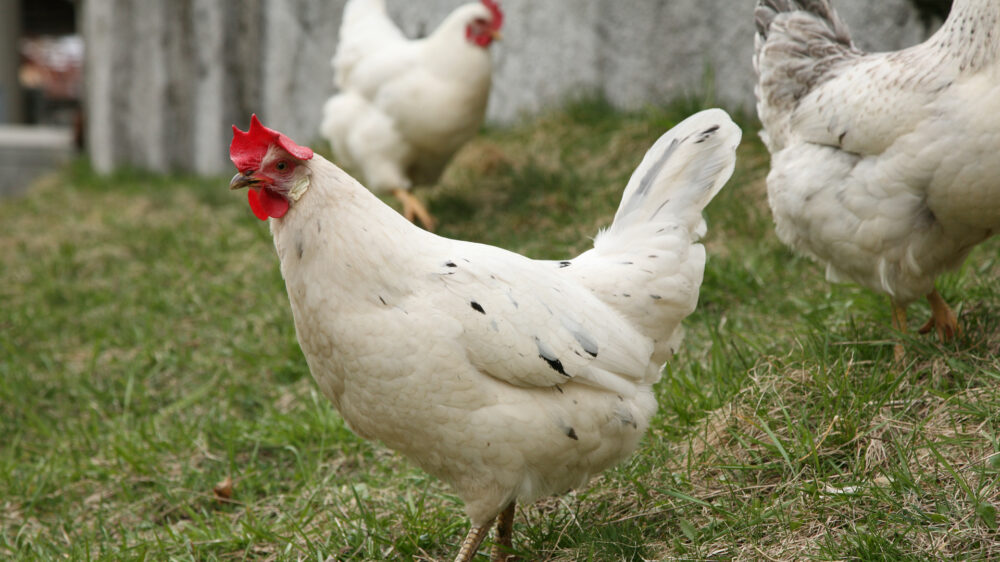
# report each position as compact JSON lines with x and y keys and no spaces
{"x":147,"y":355}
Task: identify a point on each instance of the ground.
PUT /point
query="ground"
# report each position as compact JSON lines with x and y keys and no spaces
{"x":147,"y":354}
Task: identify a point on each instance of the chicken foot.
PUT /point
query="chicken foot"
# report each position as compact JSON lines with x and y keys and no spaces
{"x":413,"y":208}
{"x":942,"y":319}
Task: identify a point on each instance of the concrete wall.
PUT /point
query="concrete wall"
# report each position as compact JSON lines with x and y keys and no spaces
{"x":166,"y":79}
{"x":27,"y":152}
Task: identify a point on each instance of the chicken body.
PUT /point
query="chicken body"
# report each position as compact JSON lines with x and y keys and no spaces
{"x":405,"y":107}
{"x":508,"y":378}
{"x":884,"y":166}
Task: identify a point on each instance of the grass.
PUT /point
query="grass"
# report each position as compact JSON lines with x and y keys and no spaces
{"x":147,"y":353}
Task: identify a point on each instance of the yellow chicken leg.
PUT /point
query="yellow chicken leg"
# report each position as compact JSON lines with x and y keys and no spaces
{"x":501,"y":548}
{"x":413,"y":208}
{"x":472,"y":541}
{"x":899,"y":323}
{"x":505,"y":534}
{"x":942,"y":319}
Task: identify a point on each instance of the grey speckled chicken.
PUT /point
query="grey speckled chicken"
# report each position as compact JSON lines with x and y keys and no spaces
{"x":508,"y":378}
{"x":884,"y":166}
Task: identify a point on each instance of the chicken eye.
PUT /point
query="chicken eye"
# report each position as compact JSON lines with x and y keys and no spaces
{"x":281,"y":166}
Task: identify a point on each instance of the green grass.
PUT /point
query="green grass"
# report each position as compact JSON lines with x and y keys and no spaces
{"x":147,"y":353}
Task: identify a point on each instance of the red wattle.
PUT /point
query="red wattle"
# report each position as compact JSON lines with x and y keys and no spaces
{"x":274,"y":205}
{"x":254,"y":198}
{"x":265,"y":203}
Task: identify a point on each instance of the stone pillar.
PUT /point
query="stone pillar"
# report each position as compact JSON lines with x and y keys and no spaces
{"x":164,"y":80}
{"x":295,"y":63}
{"x":97,"y":23}
{"x":11,"y":97}
{"x":209,"y":139}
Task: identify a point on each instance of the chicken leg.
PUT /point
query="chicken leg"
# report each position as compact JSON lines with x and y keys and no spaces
{"x":413,"y":208}
{"x":942,"y":319}
{"x":505,"y":534}
{"x":472,"y":541}
{"x":501,"y":548}
{"x":899,"y":324}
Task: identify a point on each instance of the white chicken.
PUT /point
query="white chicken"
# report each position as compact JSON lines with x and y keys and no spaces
{"x":506,"y":377}
{"x":883,"y":166}
{"x":405,"y":107}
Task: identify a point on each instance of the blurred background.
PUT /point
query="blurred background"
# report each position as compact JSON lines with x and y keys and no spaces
{"x":41,"y":88}
{"x":156,"y":85}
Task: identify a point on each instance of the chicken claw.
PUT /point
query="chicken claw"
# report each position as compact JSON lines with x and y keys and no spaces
{"x":943,"y":319}
{"x":413,"y":208}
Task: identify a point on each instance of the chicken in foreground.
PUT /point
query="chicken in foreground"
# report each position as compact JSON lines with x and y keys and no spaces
{"x":508,"y":378}
{"x":883,"y":166}
{"x":405,"y":107}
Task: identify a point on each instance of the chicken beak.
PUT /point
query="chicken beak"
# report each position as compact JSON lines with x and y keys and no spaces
{"x":496,"y":35}
{"x":241,"y":180}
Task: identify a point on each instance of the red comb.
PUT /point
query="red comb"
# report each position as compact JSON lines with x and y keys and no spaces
{"x":248,"y":148}
{"x":494,"y":9}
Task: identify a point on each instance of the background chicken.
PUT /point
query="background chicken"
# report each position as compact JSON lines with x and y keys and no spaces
{"x":405,"y":107}
{"x":884,"y":166}
{"x":508,"y":378}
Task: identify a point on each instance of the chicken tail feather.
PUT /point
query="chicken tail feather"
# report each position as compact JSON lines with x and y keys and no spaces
{"x":366,"y":28}
{"x":798,"y":45}
{"x":816,"y":10}
{"x":677,"y":178}
{"x":648,"y":264}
